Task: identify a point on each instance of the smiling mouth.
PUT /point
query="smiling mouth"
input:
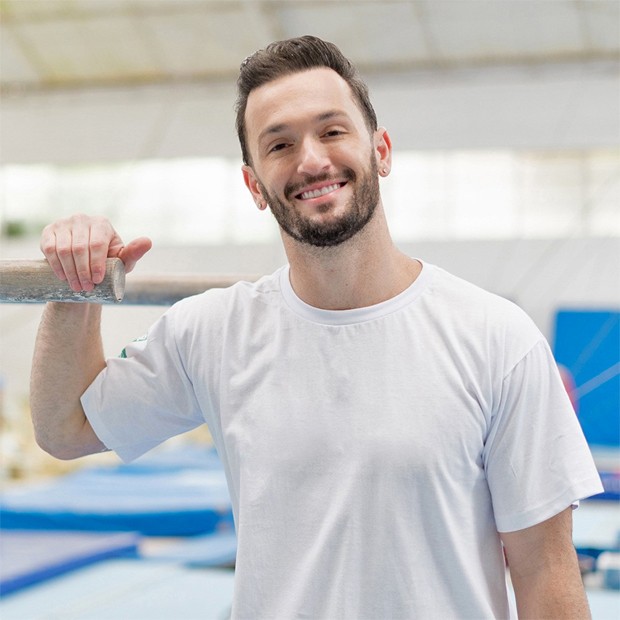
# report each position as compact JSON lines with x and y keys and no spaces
{"x":317,"y":193}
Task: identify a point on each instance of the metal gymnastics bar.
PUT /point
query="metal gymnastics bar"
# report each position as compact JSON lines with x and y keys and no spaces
{"x":34,"y":282}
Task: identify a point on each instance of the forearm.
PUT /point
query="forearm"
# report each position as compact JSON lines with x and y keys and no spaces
{"x":68,"y":356}
{"x":545,"y":571}
{"x":551,"y":591}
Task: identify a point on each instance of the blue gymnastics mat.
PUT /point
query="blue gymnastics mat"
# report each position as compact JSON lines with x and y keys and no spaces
{"x":174,"y":493}
{"x":28,"y":558}
{"x":127,"y":590}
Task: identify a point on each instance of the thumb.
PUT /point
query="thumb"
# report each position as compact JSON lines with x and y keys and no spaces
{"x":134,"y":251}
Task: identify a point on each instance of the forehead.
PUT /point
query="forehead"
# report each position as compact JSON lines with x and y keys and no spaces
{"x":299,"y":97}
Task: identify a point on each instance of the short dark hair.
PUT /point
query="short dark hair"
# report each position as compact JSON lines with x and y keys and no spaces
{"x":293,"y":56}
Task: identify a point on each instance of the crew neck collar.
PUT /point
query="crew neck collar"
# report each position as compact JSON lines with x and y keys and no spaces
{"x":355,"y":315}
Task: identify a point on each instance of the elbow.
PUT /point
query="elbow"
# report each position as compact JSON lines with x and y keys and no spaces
{"x":64,"y":442}
{"x":59,"y":449}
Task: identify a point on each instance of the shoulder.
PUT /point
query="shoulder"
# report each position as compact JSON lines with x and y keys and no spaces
{"x":482,"y":315}
{"x":475,"y":302}
{"x":217,"y":306}
{"x":455,"y":288}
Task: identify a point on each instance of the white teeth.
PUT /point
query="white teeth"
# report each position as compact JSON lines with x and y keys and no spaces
{"x":320,"y":192}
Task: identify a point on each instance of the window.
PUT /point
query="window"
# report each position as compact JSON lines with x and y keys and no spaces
{"x":428,"y":196}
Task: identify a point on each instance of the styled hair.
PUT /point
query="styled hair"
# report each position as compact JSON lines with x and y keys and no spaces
{"x":293,"y":56}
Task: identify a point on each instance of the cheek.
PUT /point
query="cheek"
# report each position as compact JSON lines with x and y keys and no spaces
{"x":279,"y":181}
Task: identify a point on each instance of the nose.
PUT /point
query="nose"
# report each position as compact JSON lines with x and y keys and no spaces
{"x":313,"y":157}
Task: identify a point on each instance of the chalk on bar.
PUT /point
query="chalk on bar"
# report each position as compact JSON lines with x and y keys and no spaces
{"x":33,"y":281}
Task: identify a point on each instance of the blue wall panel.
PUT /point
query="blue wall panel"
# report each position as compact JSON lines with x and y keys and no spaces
{"x":587,"y":345}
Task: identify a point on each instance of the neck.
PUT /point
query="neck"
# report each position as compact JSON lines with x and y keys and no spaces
{"x":363,"y":271}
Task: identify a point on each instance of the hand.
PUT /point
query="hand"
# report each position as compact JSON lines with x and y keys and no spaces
{"x":77,"y":247}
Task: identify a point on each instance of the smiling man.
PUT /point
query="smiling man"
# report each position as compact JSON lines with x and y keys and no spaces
{"x":323,"y":154}
{"x":387,"y":429}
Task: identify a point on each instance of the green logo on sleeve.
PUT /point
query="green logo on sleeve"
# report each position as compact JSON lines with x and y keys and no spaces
{"x":123,"y":353}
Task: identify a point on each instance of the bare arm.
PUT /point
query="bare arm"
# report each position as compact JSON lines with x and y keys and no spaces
{"x":545,"y":572}
{"x":68,"y":356}
{"x":68,"y":350}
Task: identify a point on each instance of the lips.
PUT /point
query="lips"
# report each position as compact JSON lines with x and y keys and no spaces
{"x":313,"y":187}
{"x":319,"y":191}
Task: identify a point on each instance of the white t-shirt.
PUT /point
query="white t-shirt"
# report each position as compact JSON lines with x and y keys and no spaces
{"x":373,"y":454}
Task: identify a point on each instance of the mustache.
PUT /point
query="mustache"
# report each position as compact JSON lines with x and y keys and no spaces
{"x":291,"y":189}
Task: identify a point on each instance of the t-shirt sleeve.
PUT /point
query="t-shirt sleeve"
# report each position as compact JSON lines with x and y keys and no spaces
{"x":144,"y":396}
{"x":536,"y":457}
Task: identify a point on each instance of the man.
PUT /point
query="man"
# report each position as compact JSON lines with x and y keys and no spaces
{"x":387,"y":429}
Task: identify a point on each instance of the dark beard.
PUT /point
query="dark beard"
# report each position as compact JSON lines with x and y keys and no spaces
{"x":361,"y":209}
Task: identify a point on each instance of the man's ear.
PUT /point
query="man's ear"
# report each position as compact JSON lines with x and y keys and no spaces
{"x":251,"y":182}
{"x":383,"y":151}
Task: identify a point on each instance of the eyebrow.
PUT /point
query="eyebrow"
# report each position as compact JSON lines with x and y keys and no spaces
{"x":278,"y":127}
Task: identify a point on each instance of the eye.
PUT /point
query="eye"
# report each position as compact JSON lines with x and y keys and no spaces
{"x":277,"y":147}
{"x":332,"y":133}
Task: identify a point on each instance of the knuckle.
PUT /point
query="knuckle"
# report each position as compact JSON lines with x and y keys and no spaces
{"x":80,"y":248}
{"x":78,"y":218}
{"x":64,"y":252}
{"x":99,"y":245}
{"x":59,"y":224}
{"x":48,"y":246}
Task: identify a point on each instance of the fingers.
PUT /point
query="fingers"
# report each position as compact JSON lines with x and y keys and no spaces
{"x":100,"y":245}
{"x":134,"y":251}
{"x":77,"y":247}
{"x":65,"y":244}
